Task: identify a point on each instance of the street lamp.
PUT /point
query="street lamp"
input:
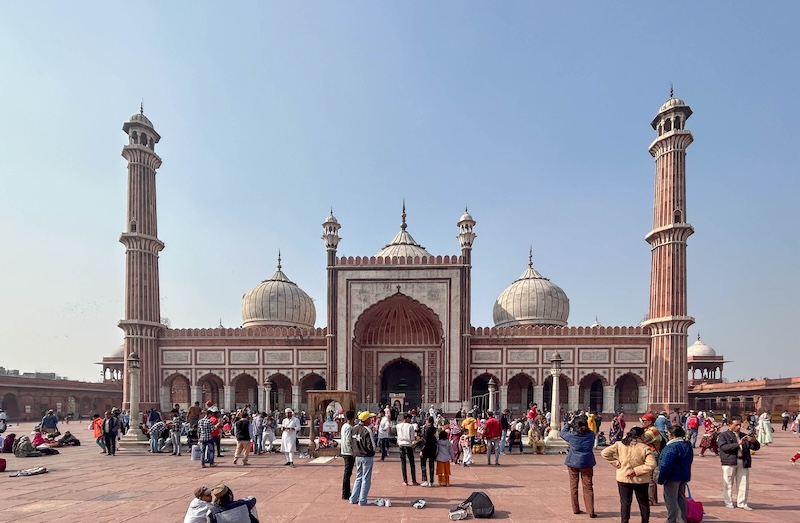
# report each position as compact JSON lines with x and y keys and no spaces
{"x":134,"y":367}
{"x":492,"y":388}
{"x":553,"y":443}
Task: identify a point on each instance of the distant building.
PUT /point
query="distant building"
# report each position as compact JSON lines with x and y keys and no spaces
{"x":399,"y":321}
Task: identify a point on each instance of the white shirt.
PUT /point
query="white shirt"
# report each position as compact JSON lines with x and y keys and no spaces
{"x":383,"y":428}
{"x":405,"y":434}
{"x":196,"y":513}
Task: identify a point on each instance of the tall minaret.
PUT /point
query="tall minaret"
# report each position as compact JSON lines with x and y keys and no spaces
{"x":466,"y":236}
{"x":142,"y":323}
{"x":331,"y":238}
{"x":668,"y":320}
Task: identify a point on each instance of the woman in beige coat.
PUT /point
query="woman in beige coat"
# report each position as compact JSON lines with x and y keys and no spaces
{"x":635,"y":462}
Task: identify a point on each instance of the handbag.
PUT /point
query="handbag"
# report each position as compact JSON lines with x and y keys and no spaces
{"x":694,"y":509}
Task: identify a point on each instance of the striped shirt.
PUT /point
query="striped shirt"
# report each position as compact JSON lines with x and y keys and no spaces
{"x":204,"y":429}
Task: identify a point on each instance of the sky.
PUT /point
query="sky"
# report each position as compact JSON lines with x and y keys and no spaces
{"x":534,"y":115}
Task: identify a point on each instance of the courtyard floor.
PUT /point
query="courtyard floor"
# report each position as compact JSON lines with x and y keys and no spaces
{"x":84,"y":485}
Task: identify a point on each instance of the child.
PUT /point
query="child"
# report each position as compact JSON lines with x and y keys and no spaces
{"x":444,"y":455}
{"x":466,"y":448}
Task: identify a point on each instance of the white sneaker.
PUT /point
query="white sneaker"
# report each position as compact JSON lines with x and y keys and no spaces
{"x":380,"y":502}
{"x":729,"y":505}
{"x":424,"y":484}
{"x":745,"y":507}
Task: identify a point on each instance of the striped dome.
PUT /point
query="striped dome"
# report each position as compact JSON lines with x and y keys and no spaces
{"x":278,"y":302}
{"x":531,"y":300}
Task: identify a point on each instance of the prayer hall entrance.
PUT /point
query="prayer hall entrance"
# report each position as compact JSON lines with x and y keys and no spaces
{"x":402,"y":377}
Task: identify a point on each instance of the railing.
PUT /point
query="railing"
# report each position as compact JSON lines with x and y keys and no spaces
{"x":480,"y":403}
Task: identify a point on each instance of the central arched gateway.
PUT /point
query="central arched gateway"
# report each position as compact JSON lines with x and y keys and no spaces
{"x":398,"y":345}
{"x":402,"y":376}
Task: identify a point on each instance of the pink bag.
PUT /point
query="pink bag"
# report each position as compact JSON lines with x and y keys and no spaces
{"x":694,"y":509}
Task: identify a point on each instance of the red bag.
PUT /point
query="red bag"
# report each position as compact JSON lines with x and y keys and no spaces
{"x":694,"y":509}
{"x":2,"y":465}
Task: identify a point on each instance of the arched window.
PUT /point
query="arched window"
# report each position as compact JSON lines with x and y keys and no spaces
{"x":677,"y":122}
{"x":133,"y":225}
{"x":667,"y":125}
{"x":677,"y":217}
{"x":134,"y":137}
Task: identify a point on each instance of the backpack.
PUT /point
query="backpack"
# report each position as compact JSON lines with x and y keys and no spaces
{"x":2,"y":465}
{"x":692,"y":422}
{"x":479,"y":504}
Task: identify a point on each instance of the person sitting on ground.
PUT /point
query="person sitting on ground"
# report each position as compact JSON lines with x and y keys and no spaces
{"x":68,"y":439}
{"x":601,"y":440}
{"x":226,"y":509}
{"x":8,"y":443}
{"x":199,"y":507}
{"x":37,"y":438}
{"x":536,"y":440}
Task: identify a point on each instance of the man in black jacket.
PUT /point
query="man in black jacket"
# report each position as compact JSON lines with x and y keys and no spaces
{"x":734,"y":453}
{"x":364,"y":451}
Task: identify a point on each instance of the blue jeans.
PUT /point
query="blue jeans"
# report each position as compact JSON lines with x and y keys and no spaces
{"x":503,"y":437}
{"x":493,"y":447}
{"x":693,"y":437}
{"x":258,"y":442}
{"x":153,"y":443}
{"x":363,"y":480}
{"x":207,"y":452}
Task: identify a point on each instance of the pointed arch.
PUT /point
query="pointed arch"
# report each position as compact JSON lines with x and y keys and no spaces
{"x":399,"y":320}
{"x":520,"y":392}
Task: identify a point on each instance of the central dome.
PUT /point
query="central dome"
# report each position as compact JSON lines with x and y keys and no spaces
{"x":403,"y":244}
{"x":531,"y":300}
{"x":278,"y":302}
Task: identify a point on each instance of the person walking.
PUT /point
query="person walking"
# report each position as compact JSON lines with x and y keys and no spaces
{"x":346,"y":450}
{"x":290,"y":426}
{"x":99,"y":438}
{"x":427,"y":457}
{"x":405,"y":440}
{"x":492,"y":430}
{"x":110,"y":431}
{"x":175,"y":430}
{"x":784,"y":420}
{"x":580,"y":462}
{"x":674,"y":472}
{"x":364,"y":452}
{"x":693,"y":424}
{"x":635,"y":462}
{"x":765,"y":428}
{"x":734,"y":454}
{"x":242,"y":429}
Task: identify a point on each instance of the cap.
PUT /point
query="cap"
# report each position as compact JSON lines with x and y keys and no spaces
{"x":219,"y":491}
{"x":364,"y":416}
{"x":209,"y":403}
{"x":287,"y":410}
{"x":648,"y":417}
{"x":199,"y":492}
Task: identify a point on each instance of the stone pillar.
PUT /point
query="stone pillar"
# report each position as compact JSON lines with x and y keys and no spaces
{"x":572,"y":397}
{"x":227,"y":397}
{"x":194,"y":394}
{"x":134,"y":434}
{"x":165,"y":398}
{"x":296,"y":398}
{"x":260,"y":399}
{"x":643,"y":395}
{"x":538,"y":396}
{"x":608,"y":398}
{"x":268,"y":406}
{"x":503,"y":402}
{"x":492,"y":391}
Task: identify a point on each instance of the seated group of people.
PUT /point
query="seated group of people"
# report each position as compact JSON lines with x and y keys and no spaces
{"x":217,"y":505}
{"x":37,"y":444}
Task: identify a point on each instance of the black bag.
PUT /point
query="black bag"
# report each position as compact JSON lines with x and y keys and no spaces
{"x":479,"y":504}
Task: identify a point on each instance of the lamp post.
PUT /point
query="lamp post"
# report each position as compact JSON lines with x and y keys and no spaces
{"x":492,"y":389}
{"x":553,"y":443}
{"x":134,"y":433}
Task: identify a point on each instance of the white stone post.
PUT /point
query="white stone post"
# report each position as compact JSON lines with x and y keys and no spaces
{"x":643,"y":395}
{"x":608,"y":399}
{"x":538,"y":396}
{"x":492,"y":390}
{"x":296,"y":398}
{"x":573,"y":391}
{"x":134,"y":434}
{"x":227,"y":398}
{"x":553,"y":442}
{"x":268,"y":400}
{"x":503,"y":401}
{"x":165,"y":398}
{"x":194,"y":394}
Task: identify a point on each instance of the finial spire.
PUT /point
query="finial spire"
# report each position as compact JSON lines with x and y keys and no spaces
{"x":671,"y":91}
{"x":279,"y":259}
{"x":141,"y":107}
{"x":530,"y":258}
{"x":698,"y":335}
{"x":403,"y":216}
{"x":466,"y":209}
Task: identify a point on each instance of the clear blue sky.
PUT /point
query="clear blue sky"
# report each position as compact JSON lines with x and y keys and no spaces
{"x":535,"y":115}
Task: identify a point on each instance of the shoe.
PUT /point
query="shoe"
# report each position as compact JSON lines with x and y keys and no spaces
{"x":729,"y":505}
{"x":380,"y":502}
{"x":405,"y":483}
{"x":287,"y":464}
{"x":415,"y":484}
{"x":204,"y":466}
{"x":212,"y":464}
{"x":593,"y":515}
{"x":235,"y":461}
{"x":424,"y":483}
{"x":745,"y":507}
{"x":577,"y":512}
{"x":496,"y":462}
{"x":291,"y":465}
{"x":245,"y":463}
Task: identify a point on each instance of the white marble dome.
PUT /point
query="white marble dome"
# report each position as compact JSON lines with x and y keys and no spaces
{"x":278,"y":302}
{"x":672,"y":102}
{"x":403,"y":244}
{"x":531,"y":300}
{"x":698,"y":349}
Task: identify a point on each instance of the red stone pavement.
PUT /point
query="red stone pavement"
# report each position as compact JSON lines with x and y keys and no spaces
{"x":84,"y":485}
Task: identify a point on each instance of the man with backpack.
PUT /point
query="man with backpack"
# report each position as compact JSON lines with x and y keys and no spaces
{"x":693,"y":424}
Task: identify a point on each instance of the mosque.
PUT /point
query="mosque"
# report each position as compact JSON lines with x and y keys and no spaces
{"x":399,"y":324}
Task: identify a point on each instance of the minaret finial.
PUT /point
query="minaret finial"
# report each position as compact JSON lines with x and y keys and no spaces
{"x":530,"y":258}
{"x":698,"y":335}
{"x":279,"y":259}
{"x":141,"y":107}
{"x":403,"y":216}
{"x":466,"y":209}
{"x":671,"y":91}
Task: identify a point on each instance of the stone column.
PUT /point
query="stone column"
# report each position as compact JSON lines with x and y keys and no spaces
{"x":165,"y":398}
{"x":296,"y":398}
{"x":644,"y":391}
{"x":194,"y":394}
{"x":227,"y":397}
{"x":260,"y":400}
{"x":503,"y":402}
{"x":492,"y":391}
{"x":268,"y":406}
{"x":572,"y":397}
{"x":538,"y":396}
{"x":134,"y":434}
{"x":608,"y":398}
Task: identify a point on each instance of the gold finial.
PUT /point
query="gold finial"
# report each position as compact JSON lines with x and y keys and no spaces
{"x":403,"y":216}
{"x":279,"y":259}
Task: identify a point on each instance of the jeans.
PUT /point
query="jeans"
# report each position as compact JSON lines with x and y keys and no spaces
{"x":428,"y":465}
{"x":693,"y":437}
{"x":175,"y":437}
{"x":258,"y":442}
{"x":626,"y":492}
{"x":492,"y":447}
{"x":675,"y":500}
{"x":503,"y":438}
{"x":110,"y":439}
{"x":383,"y":444}
{"x":407,"y":453}
{"x":207,"y":452}
{"x":735,"y":480}
{"x":154,"y":443}
{"x":585,"y":476}
{"x":218,"y":445}
{"x":349,"y":462}
{"x":101,"y":442}
{"x":363,"y":480}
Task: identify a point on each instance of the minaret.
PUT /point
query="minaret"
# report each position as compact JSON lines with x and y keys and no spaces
{"x":331,"y":238}
{"x":466,"y":236}
{"x":142,"y":323}
{"x":668,"y":320}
